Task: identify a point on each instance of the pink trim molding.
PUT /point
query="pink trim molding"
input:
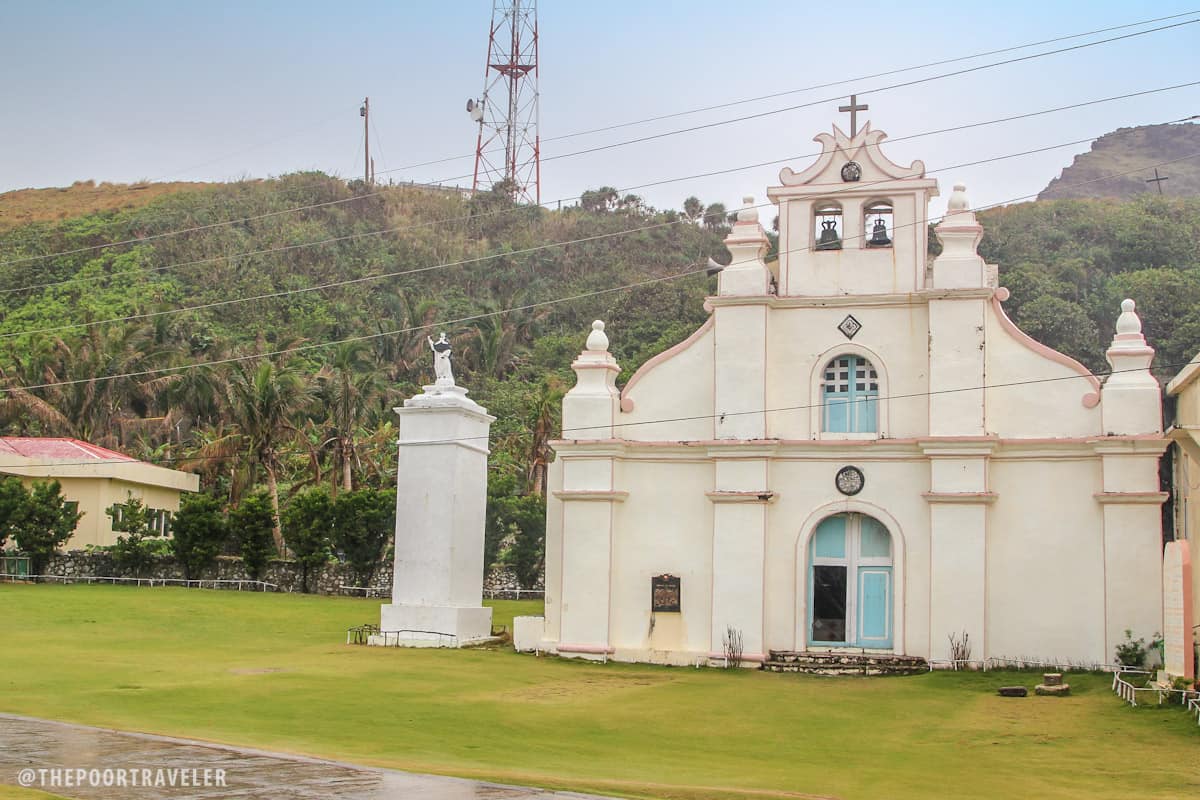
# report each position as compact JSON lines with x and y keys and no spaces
{"x":594,"y":649}
{"x":1149,"y":498}
{"x":583,"y":494}
{"x":1092,"y":398}
{"x":960,"y":497}
{"x":626,"y":400}
{"x":763,"y":496}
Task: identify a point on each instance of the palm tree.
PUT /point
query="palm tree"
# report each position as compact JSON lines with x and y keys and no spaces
{"x":544,"y":421}
{"x":264,"y":401}
{"x":348,"y":386}
{"x":99,"y":394}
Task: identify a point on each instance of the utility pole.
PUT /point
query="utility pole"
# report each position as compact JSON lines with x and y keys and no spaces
{"x":365,"y":113}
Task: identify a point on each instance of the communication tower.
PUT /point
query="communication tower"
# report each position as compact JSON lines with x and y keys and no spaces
{"x":507,"y":149}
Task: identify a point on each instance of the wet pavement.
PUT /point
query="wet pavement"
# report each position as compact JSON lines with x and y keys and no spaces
{"x":77,"y":761}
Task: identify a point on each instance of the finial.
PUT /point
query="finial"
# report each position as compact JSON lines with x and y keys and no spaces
{"x":748,"y":212}
{"x":958,"y":200}
{"x":597,"y":340}
{"x":1128,"y":322}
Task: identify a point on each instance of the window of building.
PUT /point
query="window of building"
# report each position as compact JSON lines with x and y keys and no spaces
{"x":827,"y":226}
{"x":849,"y":396}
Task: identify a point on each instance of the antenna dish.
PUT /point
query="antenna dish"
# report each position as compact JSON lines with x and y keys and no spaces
{"x":475,"y":109}
{"x":470,"y":105}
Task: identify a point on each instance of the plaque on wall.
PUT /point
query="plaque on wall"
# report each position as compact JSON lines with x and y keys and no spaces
{"x":664,"y":593}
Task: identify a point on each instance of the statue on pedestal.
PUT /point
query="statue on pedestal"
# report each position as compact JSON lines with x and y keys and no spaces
{"x":441,"y":361}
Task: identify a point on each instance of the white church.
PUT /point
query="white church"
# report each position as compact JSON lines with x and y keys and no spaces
{"x":858,"y":452}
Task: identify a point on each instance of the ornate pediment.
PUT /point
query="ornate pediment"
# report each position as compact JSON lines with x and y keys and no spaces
{"x":863,"y":149}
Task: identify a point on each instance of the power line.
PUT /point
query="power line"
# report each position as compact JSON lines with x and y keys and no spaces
{"x":528,"y":306}
{"x":817,"y":86}
{"x":517,"y":209}
{"x":462,"y":262}
{"x":252,"y":147}
{"x":681,"y":113}
{"x":662,"y":420}
{"x":876,"y":90}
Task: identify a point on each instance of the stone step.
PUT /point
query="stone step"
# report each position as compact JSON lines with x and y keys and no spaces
{"x":844,"y":663}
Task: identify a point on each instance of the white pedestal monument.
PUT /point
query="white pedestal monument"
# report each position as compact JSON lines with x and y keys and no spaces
{"x":441,"y":499}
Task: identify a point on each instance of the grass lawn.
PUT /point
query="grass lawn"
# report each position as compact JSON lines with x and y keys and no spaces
{"x":17,"y":793}
{"x":271,"y":671}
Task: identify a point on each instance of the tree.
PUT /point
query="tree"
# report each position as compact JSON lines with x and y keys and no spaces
{"x":515,"y":530}
{"x":693,"y":209}
{"x":264,"y":400}
{"x":252,"y":523}
{"x":348,"y":386}
{"x":363,"y":521}
{"x":524,"y":516}
{"x":600,"y":200}
{"x":49,"y":521}
{"x":140,"y":543}
{"x":308,"y":529}
{"x":1062,"y":325}
{"x":544,"y":420}
{"x":716,"y":218}
{"x":14,"y":506}
{"x":198,"y":533}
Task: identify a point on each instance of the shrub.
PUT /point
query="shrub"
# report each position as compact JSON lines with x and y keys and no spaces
{"x":363,"y":521}
{"x":14,"y":506}
{"x":308,"y":530}
{"x":1131,"y":652}
{"x":46,"y":523}
{"x":199,"y":532}
{"x":253,"y":524}
{"x":137,"y":548}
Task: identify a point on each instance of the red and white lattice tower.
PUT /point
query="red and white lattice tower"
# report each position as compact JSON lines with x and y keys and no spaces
{"x":508,"y":148}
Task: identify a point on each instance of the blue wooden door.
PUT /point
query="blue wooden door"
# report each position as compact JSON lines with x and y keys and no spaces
{"x":875,"y":607}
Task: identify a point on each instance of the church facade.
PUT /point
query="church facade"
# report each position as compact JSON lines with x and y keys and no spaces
{"x":857,"y":452}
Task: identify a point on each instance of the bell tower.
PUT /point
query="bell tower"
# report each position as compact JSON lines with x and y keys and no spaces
{"x":854,"y":222}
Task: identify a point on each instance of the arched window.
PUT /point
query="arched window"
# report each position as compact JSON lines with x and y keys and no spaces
{"x":849,"y":396}
{"x":827,"y":225}
{"x":877,"y":223}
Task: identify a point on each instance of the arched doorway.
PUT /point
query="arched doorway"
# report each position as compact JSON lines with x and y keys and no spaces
{"x":850,"y":582}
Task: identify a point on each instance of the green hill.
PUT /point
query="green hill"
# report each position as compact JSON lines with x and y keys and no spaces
{"x":481,"y":269}
{"x":1134,"y":151}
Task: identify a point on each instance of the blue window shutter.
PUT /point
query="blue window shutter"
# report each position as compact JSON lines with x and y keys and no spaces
{"x":850,"y":396}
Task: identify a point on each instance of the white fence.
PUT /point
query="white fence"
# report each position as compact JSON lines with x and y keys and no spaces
{"x":514,"y":594}
{"x":1130,"y":693}
{"x":366,"y":591}
{"x":240,"y":585}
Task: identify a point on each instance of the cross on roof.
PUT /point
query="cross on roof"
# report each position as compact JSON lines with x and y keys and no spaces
{"x":1157,"y":181}
{"x":854,"y":108}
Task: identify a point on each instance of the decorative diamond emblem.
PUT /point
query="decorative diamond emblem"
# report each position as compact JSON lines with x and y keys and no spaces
{"x":850,"y":326}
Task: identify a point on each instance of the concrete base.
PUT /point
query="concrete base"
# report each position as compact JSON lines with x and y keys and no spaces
{"x":431,"y":626}
{"x":527,"y":633}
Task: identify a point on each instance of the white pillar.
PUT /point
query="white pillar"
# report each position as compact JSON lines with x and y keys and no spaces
{"x":589,"y":497}
{"x":740,"y":502}
{"x":958,"y":501}
{"x":441,"y":499}
{"x":1131,"y":406}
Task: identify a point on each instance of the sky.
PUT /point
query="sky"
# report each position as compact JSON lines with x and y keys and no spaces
{"x":113,"y":90}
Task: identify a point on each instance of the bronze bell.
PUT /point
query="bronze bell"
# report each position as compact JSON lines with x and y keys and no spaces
{"x":829,"y":236}
{"x":879,"y":237}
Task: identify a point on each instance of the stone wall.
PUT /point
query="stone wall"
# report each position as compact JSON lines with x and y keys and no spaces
{"x":329,"y":579}
{"x":501,"y":582}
